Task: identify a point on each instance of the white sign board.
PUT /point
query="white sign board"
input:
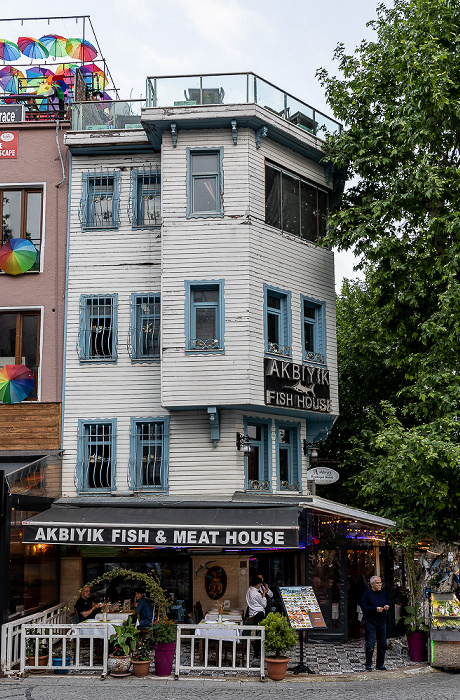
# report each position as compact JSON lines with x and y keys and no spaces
{"x":322,"y":475}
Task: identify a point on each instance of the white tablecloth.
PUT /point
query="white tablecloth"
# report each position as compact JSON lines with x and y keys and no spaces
{"x":226,"y":617}
{"x":217,"y":631}
{"x":86,"y":629}
{"x":114,"y":616}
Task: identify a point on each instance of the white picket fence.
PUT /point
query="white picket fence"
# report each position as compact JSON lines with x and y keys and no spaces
{"x":11,"y":635}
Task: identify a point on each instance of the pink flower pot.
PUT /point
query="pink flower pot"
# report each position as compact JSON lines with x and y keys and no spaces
{"x":164,"y":658}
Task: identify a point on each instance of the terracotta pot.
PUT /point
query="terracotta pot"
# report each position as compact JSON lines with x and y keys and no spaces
{"x":141,"y":668}
{"x":164,"y":658}
{"x":416,"y":641}
{"x":119,"y":665}
{"x":276,"y":668}
{"x":42,"y":661}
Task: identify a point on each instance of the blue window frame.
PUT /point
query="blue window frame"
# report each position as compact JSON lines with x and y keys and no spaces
{"x":204,"y":316}
{"x":258,"y":462}
{"x":144,"y":340}
{"x":288,"y":457}
{"x":96,"y":455}
{"x":99,"y":206}
{"x":149,"y":454}
{"x":277,"y":321}
{"x":97,"y":339}
{"x":313,"y":330}
{"x":146,"y":197}
{"x":204,"y":182}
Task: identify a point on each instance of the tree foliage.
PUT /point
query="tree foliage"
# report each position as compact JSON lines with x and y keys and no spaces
{"x":398,"y":96}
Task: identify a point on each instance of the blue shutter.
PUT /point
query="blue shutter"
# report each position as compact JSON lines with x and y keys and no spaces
{"x":116,"y":201}
{"x":84,"y":202}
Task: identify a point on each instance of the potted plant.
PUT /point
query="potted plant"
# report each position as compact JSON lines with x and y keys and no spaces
{"x":32,"y":644}
{"x":60,"y":660}
{"x":279,"y":637}
{"x":416,"y":632}
{"x":124,"y":642}
{"x":141,"y":661}
{"x":163,"y":637}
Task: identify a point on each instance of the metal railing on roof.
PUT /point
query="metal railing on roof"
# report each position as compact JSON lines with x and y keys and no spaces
{"x":98,"y":115}
{"x":236,"y":88}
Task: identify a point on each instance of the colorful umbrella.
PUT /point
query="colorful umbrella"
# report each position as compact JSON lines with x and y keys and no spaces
{"x":66,"y":73}
{"x":32,"y":47}
{"x":83,"y":51}
{"x":11,"y":78}
{"x":55,"y":44}
{"x":8,"y":50}
{"x":16,"y":383}
{"x":36,"y":76}
{"x":98,"y":79}
{"x":17,"y":256}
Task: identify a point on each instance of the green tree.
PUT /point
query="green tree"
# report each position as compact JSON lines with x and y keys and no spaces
{"x":398,"y":96}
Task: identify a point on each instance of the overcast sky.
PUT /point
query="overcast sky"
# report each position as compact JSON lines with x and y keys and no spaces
{"x":284,"y":41}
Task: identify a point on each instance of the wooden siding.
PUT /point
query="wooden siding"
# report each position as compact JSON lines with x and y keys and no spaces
{"x":239,"y":248}
{"x":30,"y":426}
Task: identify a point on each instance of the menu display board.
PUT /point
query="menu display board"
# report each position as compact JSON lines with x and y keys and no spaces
{"x":302,"y":608}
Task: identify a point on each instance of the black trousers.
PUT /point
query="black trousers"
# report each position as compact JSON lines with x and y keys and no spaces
{"x":258,"y":617}
{"x":375,"y":631}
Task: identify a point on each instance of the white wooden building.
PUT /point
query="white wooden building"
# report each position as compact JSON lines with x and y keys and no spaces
{"x":209,"y":213}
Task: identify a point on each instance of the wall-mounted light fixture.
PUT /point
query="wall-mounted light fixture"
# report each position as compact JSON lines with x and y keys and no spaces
{"x":242,"y":442}
{"x":310,"y":450}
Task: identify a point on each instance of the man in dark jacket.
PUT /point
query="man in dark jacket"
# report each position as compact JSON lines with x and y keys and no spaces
{"x":374,"y":605}
{"x":144,"y":608}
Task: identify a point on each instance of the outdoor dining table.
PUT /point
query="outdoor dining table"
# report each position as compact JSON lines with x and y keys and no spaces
{"x":215,"y":631}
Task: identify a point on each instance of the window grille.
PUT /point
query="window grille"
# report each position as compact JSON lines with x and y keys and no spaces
{"x":277,"y":322}
{"x":205,"y":317}
{"x":144,"y":208}
{"x":96,"y":459}
{"x":288,"y":458}
{"x":149,"y":454}
{"x":99,"y":203}
{"x":144,"y":333}
{"x":257,"y":460}
{"x":97,"y":340}
{"x":314,"y":332}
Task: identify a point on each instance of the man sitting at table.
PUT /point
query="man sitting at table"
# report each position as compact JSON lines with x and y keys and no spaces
{"x":85,"y":605}
{"x":144,"y":608}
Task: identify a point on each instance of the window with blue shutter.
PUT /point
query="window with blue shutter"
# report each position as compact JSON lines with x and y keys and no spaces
{"x":257,"y":461}
{"x":313,"y":330}
{"x":204,"y":316}
{"x":99,"y":205}
{"x":97,"y":337}
{"x":145,"y":205}
{"x":277,"y":321}
{"x":96,"y":455}
{"x":149,"y":454}
{"x":288,"y":457}
{"x":144,"y":336}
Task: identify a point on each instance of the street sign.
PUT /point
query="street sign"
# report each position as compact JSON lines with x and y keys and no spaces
{"x":322,"y":475}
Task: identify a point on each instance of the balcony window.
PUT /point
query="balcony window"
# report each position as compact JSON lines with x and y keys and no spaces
{"x":149,"y":454}
{"x":21,"y":212}
{"x":19,"y":342}
{"x":288,"y":457}
{"x":205,"y":316}
{"x":277,"y":322}
{"x":295,"y":205}
{"x":145,"y":327}
{"x":314,"y":331}
{"x":98,"y":328}
{"x":257,"y":461}
{"x":96,"y":455}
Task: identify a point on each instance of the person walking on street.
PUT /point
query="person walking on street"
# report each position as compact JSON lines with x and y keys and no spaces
{"x":375,"y":605}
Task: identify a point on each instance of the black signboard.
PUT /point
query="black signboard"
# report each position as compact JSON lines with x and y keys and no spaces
{"x":304,"y":387}
{"x":230,"y":538}
{"x":11,"y":113}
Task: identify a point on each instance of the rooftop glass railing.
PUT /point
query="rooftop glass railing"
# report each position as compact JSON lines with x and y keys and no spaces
{"x":114,"y":114}
{"x":237,"y":88}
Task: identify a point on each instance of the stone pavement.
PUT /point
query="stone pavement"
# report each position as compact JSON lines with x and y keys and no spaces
{"x":409,"y":684}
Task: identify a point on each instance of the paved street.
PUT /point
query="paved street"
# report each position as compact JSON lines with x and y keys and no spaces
{"x":412,"y":685}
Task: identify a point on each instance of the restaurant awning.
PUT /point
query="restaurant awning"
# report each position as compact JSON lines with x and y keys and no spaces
{"x":204,"y":526}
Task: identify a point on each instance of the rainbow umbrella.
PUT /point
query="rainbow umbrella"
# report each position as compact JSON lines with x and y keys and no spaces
{"x":17,"y":256}
{"x":32,"y":47}
{"x":16,"y":383}
{"x":96,"y":75}
{"x":66,"y":73}
{"x":82,"y":50}
{"x":11,"y":78}
{"x":36,"y":76}
{"x":55,"y":44}
{"x":8,"y":50}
